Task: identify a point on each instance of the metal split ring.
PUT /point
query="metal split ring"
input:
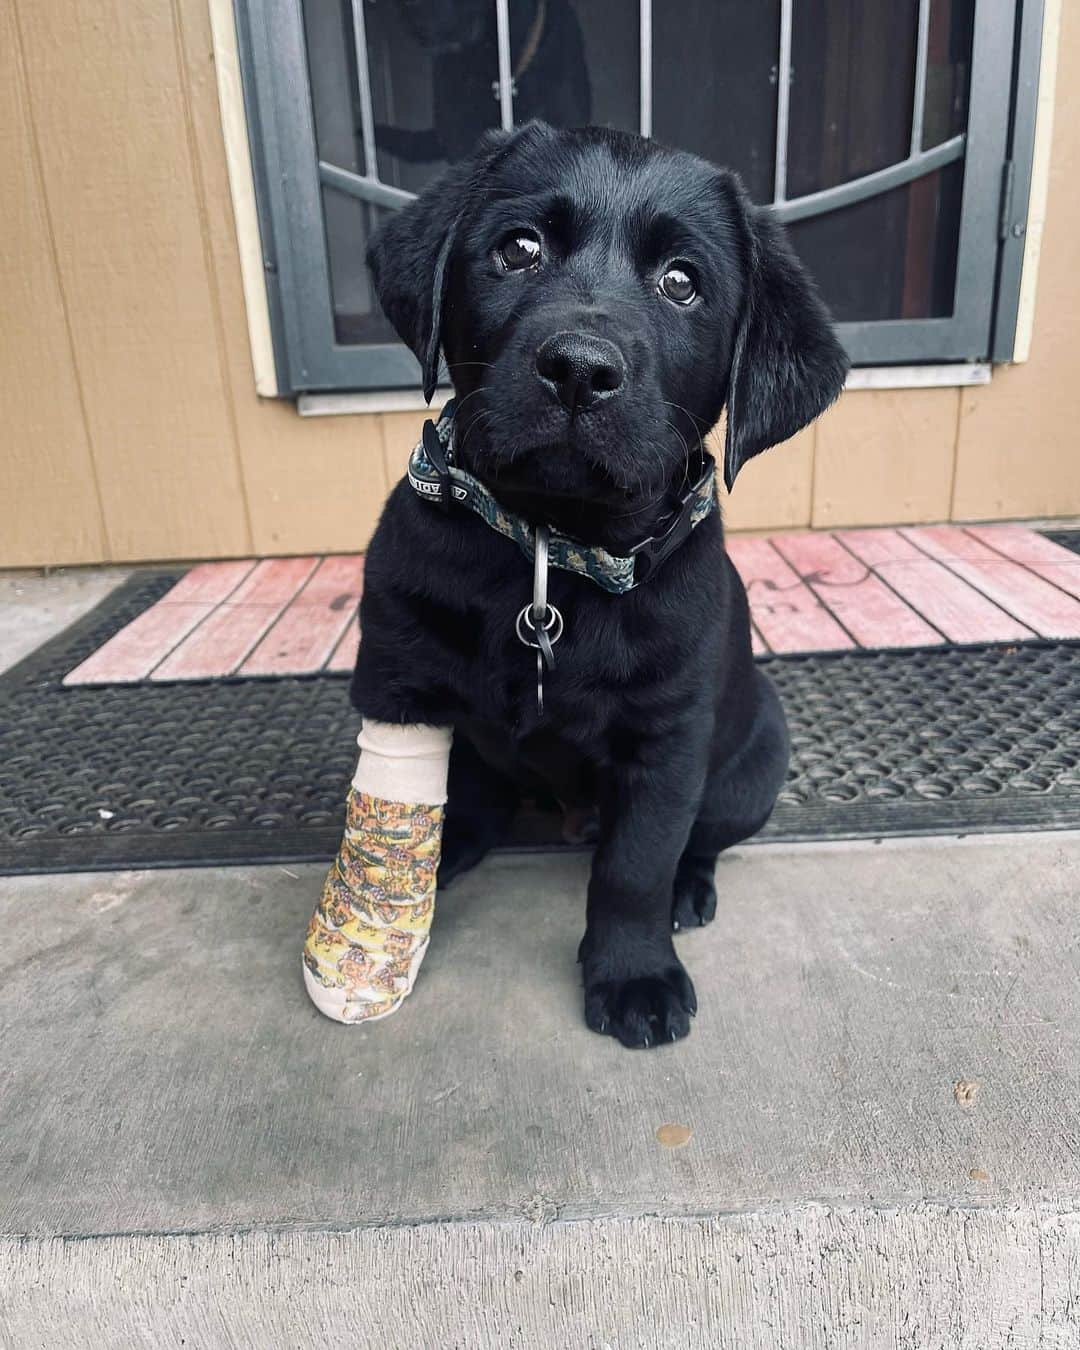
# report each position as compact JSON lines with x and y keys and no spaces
{"x":552,"y":626}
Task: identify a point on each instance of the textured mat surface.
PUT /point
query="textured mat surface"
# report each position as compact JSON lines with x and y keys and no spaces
{"x":1069,"y":539}
{"x":945,"y":739}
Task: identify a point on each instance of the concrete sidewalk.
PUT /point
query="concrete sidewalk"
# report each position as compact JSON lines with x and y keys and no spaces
{"x":35,"y":606}
{"x":191,"y":1154}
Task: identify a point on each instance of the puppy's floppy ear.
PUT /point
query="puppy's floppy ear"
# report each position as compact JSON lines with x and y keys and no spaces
{"x":787,"y":365}
{"x":409,"y":256}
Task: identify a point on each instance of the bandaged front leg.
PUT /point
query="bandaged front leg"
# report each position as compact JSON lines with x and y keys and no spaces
{"x":370,"y":929}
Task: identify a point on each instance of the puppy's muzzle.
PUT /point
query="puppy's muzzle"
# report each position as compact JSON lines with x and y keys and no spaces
{"x":580,"y":369}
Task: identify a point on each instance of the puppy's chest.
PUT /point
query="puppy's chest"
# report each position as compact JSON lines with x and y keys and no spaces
{"x":598,"y":666}
{"x":609,"y":648}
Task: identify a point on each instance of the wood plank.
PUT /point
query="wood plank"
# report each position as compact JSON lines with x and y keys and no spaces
{"x":1021,"y":544}
{"x":343,"y":657}
{"x":1030,"y":599}
{"x":220,"y":47}
{"x":133,"y":653}
{"x":956,"y":609}
{"x":885,"y":455}
{"x":299,"y":643}
{"x":401,"y":431}
{"x":313,"y":484}
{"x":879,"y":546}
{"x":111,"y":112}
{"x":275,"y":581}
{"x":307,"y":633}
{"x":210,"y":583}
{"x":874,"y":615}
{"x":337,"y":582}
{"x":1017,"y":452}
{"x":49,"y":507}
{"x":787,"y":613}
{"x":774,"y":489}
{"x":221,"y":643}
{"x":1037,"y":553}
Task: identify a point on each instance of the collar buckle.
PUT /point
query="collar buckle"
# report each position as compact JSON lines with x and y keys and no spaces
{"x":651,"y":552}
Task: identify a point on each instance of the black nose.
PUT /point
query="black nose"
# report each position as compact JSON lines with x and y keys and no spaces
{"x":580,"y":369}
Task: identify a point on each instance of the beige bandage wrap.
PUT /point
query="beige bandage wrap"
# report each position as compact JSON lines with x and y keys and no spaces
{"x":370,"y":928}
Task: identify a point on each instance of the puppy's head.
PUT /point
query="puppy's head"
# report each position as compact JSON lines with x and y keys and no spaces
{"x":599,"y":299}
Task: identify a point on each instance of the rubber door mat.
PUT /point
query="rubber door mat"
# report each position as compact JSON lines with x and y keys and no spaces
{"x":943,"y":739}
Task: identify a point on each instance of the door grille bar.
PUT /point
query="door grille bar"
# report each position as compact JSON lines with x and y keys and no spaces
{"x":364,"y":189}
{"x":363,"y":89}
{"x":871,"y":184}
{"x":783,"y":101}
{"x":796,"y":208}
{"x":918,"y":102}
{"x":506,"y":77}
{"x":645,"y":79}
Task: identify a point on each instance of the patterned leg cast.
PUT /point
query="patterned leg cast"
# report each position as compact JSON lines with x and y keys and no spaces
{"x":369,"y":931}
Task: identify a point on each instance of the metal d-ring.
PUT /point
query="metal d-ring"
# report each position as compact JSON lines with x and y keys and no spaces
{"x":540,"y":620}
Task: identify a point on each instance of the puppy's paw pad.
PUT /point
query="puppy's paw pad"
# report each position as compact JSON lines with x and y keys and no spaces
{"x":644,"y":1010}
{"x":694,"y":902}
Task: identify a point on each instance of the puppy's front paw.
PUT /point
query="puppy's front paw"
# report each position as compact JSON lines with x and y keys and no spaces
{"x":642,"y":1001}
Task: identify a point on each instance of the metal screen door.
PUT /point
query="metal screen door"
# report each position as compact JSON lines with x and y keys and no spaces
{"x":879,"y":130}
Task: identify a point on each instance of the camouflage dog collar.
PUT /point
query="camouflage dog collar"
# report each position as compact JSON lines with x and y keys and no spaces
{"x":437,"y":479}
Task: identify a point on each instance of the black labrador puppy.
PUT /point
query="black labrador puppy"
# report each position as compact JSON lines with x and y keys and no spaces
{"x":599,"y":300}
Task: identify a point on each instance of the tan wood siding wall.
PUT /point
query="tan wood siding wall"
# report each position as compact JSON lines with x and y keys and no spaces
{"x":130,"y":425}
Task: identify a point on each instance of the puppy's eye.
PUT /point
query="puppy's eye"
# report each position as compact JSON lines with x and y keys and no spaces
{"x":677,"y":285}
{"x":519,"y":251}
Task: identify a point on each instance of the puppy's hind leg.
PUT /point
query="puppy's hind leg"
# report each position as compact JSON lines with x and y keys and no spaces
{"x":481,"y":803}
{"x":740,"y":793}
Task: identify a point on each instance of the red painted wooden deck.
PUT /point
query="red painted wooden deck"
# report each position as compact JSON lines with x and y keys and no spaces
{"x":808,"y":592}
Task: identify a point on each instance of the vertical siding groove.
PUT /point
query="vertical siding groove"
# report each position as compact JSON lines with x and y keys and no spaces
{"x":314,"y":485}
{"x":212,"y":283}
{"x":811,"y":514}
{"x":105,"y":88}
{"x":956,"y":453}
{"x":38,"y":170}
